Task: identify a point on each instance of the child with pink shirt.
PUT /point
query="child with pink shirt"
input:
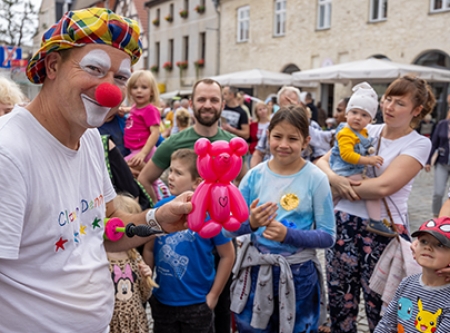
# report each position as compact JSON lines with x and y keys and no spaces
{"x":142,"y":127}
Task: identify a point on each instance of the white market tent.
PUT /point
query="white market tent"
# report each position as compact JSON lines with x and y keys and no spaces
{"x":175,"y":93}
{"x":371,"y":70}
{"x":254,"y":77}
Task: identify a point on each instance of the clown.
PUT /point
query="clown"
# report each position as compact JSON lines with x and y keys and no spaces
{"x":54,"y":276}
{"x":94,"y":58}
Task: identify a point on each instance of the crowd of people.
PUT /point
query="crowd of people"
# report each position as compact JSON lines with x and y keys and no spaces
{"x":70,"y":164}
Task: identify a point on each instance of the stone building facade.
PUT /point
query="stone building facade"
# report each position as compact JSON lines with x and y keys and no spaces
{"x":184,"y":32}
{"x":285,"y":35}
{"x":211,"y":37}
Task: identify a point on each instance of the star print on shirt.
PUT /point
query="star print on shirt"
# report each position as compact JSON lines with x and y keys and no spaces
{"x":82,"y":230}
{"x":96,"y":222}
{"x":75,"y":237}
{"x":60,"y":244}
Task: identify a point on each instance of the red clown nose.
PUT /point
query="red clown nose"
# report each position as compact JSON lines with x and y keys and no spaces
{"x":108,"y":95}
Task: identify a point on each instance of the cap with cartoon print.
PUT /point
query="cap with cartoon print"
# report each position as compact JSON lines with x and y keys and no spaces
{"x":438,"y":227}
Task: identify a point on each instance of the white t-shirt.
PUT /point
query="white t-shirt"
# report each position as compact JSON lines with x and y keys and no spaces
{"x":54,"y":273}
{"x":262,"y":128}
{"x":414,"y":145}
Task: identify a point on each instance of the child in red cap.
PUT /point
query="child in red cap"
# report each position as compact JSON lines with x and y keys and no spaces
{"x":421,"y":303}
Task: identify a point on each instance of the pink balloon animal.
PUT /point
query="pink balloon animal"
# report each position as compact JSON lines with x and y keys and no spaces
{"x":218,"y":164}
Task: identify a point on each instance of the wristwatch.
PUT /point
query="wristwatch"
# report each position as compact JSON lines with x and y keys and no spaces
{"x":151,"y":219}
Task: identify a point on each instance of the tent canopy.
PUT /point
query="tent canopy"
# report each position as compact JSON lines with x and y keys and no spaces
{"x":254,"y":77}
{"x":175,"y":93}
{"x":372,"y":70}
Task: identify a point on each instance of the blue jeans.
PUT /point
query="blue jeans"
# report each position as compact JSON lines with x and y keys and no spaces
{"x":441,"y":174}
{"x":307,"y":296}
{"x":338,"y":165}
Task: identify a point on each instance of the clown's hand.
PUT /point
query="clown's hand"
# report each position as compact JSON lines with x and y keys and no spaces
{"x":172,"y":215}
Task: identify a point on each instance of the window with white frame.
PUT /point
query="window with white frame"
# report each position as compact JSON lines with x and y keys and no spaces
{"x":243,"y":24}
{"x":378,"y":10}
{"x":324,"y":14}
{"x":280,"y":18}
{"x":440,"y":5}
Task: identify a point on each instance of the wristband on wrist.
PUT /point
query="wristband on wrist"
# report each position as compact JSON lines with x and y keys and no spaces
{"x":151,"y":219}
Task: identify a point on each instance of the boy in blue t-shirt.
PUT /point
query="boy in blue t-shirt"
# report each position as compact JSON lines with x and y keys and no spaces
{"x":189,"y":285}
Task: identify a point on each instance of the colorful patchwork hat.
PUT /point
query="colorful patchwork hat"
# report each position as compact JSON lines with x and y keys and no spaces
{"x":87,"y":26}
{"x":438,"y":227}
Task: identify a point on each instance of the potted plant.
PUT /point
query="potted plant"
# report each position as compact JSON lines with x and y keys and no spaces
{"x":200,"y":9}
{"x":200,"y":63}
{"x":167,"y":66}
{"x":154,"y":68}
{"x":184,"y":13}
{"x":156,"y":22}
{"x":169,"y":18}
{"x":182,"y":64}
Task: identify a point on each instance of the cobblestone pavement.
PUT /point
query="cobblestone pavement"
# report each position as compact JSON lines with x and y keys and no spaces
{"x":419,"y":208}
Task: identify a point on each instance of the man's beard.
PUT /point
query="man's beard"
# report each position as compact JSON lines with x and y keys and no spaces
{"x":204,"y":122}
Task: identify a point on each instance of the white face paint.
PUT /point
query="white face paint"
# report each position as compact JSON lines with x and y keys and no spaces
{"x":124,"y":71}
{"x":95,"y":113}
{"x":98,"y":63}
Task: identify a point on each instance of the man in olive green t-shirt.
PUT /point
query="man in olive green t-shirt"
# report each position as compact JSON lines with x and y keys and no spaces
{"x":184,"y":139}
{"x":207,"y":104}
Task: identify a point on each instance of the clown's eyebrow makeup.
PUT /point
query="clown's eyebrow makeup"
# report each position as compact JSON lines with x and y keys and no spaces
{"x":124,"y":69}
{"x":96,"y":62}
